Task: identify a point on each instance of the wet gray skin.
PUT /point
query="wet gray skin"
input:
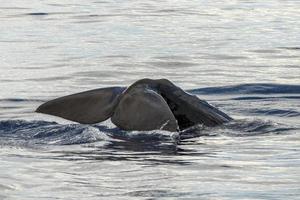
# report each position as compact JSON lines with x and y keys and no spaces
{"x":145,"y":105}
{"x":86,"y":107}
{"x":141,"y":108}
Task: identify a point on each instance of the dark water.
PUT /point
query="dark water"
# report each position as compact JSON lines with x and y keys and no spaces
{"x":241,"y":56}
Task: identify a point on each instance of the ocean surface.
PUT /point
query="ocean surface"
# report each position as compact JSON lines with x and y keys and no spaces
{"x":241,"y":56}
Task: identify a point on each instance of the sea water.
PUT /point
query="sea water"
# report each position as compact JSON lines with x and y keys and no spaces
{"x":241,"y":56}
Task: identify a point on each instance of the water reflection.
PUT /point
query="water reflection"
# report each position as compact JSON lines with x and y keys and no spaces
{"x":222,"y":50}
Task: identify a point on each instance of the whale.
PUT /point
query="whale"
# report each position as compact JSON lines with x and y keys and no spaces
{"x":147,"y":104}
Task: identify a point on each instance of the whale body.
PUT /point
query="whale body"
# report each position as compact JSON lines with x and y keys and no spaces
{"x":147,"y":104}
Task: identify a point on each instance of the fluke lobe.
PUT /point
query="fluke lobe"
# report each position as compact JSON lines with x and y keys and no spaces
{"x":147,"y":104}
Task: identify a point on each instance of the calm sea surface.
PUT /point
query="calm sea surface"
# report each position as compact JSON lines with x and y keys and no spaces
{"x":242,"y":56}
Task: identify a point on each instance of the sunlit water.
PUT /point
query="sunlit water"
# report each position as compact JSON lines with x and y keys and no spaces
{"x":241,"y":56}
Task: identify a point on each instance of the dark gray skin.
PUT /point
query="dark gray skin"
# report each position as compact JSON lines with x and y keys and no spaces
{"x":141,"y":108}
{"x":86,"y":107}
{"x":145,"y":105}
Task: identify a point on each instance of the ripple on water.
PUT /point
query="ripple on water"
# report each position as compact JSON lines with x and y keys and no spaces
{"x":252,"y":45}
{"x":37,"y":14}
{"x":255,"y":88}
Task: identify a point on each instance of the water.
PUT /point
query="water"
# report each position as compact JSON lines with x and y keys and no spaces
{"x":241,"y":56}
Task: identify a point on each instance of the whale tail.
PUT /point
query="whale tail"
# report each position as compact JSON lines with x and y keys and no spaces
{"x":88,"y":107}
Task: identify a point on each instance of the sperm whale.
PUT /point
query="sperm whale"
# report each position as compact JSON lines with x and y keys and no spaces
{"x":147,"y":104}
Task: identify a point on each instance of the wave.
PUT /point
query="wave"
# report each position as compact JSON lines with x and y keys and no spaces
{"x":256,"y":88}
{"x":275,"y":112}
{"x":43,"y":132}
{"x":20,"y":100}
{"x":255,"y":127}
{"x":239,"y":128}
{"x":33,"y":133}
{"x":264,"y":98}
{"x":22,"y":132}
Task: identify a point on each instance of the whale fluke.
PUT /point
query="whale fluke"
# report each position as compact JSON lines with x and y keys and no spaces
{"x":86,"y":107}
{"x":145,"y":105}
